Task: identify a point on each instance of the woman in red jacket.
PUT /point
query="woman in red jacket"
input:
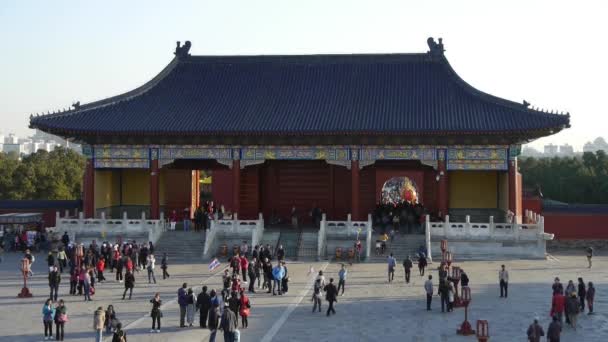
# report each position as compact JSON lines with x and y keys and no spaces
{"x":244,"y":311}
{"x":558,"y":305}
{"x":244,"y":266}
{"x":101,"y":266}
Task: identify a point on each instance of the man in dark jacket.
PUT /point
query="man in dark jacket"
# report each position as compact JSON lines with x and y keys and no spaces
{"x":267,"y":268}
{"x":407,"y":266}
{"x":464,"y":278}
{"x":331,"y":295}
{"x":214,"y":320}
{"x":582,"y":293}
{"x":203,"y":303}
{"x":444,"y":291}
{"x":555,"y":330}
{"x":129,"y":284}
{"x":229,"y":324}
{"x":252,"y":275}
{"x":234,"y":303}
{"x":54,"y":280}
{"x":535,"y":331}
{"x":182,"y":300}
{"x":65,"y":239}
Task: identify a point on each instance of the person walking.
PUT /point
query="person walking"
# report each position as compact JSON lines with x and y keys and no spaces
{"x":150,"y":264}
{"x":342,"y":278}
{"x":203,"y":304}
{"x":62,"y":259}
{"x":316,"y":295}
{"x":229,"y":324}
{"x":99,"y":323}
{"x":582,"y":293}
{"x":503,"y":278}
{"x":244,"y":266}
{"x":61,"y":317}
{"x":331,"y":293}
{"x":191,"y":308}
{"x":119,"y":266}
{"x":278,"y":272}
{"x":589,"y":256}
{"x":535,"y":331}
{"x":428,"y":288}
{"x":391,"y":267}
{"x":101,"y":266}
{"x":54,"y":280}
{"x":87,"y":285}
{"x":590,"y":297}
{"x":48,"y":316}
{"x":119,"y":335}
{"x":445,"y":295}
{"x":156,"y":314}
{"x":267,"y":268}
{"x":464,"y":278}
{"x":245,"y":309}
{"x":129,"y":284}
{"x":252,"y":276}
{"x":407,"y":267}
{"x":164,"y":265}
{"x":182,"y":300}
{"x":558,"y":304}
{"x":73,"y":282}
{"x":214,"y":321}
{"x":572,"y":309}
{"x":422,"y":264}
{"x":554,"y":330}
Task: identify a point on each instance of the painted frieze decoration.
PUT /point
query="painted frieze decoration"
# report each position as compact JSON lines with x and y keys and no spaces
{"x":295,"y":153}
{"x":392,"y":153}
{"x":168,"y":154}
{"x":466,"y":158}
{"x":121,"y":156}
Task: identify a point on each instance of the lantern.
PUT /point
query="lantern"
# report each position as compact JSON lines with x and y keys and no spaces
{"x":444,"y":246}
{"x":483,"y":331}
{"x":465,"y":327}
{"x":449,"y":258}
{"x":25,"y":268}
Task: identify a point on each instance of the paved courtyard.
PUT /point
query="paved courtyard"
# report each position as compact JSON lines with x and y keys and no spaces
{"x":371,"y":310}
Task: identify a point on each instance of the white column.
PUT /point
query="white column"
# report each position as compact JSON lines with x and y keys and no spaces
{"x":467,"y":226}
{"x":67,"y":213}
{"x":446,"y":226}
{"x":427,"y":234}
{"x":368,"y":238}
{"x":491,"y":227}
{"x":143,"y":215}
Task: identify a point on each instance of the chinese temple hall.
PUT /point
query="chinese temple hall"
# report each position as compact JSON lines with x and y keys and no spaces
{"x":342,"y":132}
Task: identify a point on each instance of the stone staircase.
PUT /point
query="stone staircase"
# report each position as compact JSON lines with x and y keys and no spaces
{"x":308,"y":244}
{"x":289,"y":239}
{"x":181,"y":247}
{"x":477,"y":215}
{"x":401,"y":247}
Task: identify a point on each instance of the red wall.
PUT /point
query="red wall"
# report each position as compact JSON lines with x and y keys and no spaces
{"x":48,"y":215}
{"x":577,"y":226}
{"x":222,"y":188}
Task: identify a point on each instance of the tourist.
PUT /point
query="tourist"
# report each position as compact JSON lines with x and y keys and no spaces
{"x":383,"y":240}
{"x":572,"y":309}
{"x":182,"y":300}
{"x":86,"y":284}
{"x":203,"y":304}
{"x":358,"y":250}
{"x":257,"y":268}
{"x":582,"y":293}
{"x":267,"y":269}
{"x":235,"y":284}
{"x":464,"y":279}
{"x":99,"y":323}
{"x":101,"y":266}
{"x":443,"y":292}
{"x":450,"y":296}
{"x":422,"y":264}
{"x":191,"y":307}
{"x":285,"y":280}
{"x":229,"y":324}
{"x":442,"y":271}
{"x":555,"y":330}
{"x":150,"y":264}
{"x":54,"y":280}
{"x":256,"y":252}
{"x":172,"y":220}
{"x":558,"y":304}
{"x":235,"y":264}
{"x":73,"y":282}
{"x":407,"y":267}
{"x":119,"y":263}
{"x":557,"y":286}
{"x":111,"y":320}
{"x":503,"y":278}
{"x":251,"y":269}
{"x":65,"y":239}
{"x":186,"y":219}
{"x":316,"y":295}
{"x":226,"y":282}
{"x":428,"y":287}
{"x":164,"y":264}
{"x":28,"y":255}
{"x":61,"y":317}
{"x":278,"y":272}
{"x":116,"y":258}
{"x":244,"y":309}
{"x":331,"y":293}
{"x":321,"y":278}
{"x":50,"y":259}
{"x":342,"y":278}
{"x":535,"y":331}
{"x":119,"y":335}
{"x":570,"y":287}
{"x":280,"y":253}
{"x":62,"y":259}
{"x":391,"y":267}
{"x":244,"y":249}
{"x":129,"y":284}
{"x":156,"y":314}
{"x":589,"y":255}
{"x":234,"y":303}
{"x":590,"y":297}
{"x":48,"y":316}
{"x":294,"y":217}
{"x":244,"y":265}
{"x":214,"y":320}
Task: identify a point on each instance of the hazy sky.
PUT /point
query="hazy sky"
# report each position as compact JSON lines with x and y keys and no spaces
{"x":552,"y":53}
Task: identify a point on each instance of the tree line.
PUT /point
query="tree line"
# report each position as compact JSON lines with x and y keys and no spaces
{"x":42,"y":175}
{"x":582,"y":179}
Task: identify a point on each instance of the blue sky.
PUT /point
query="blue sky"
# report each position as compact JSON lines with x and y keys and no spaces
{"x":551,"y":53}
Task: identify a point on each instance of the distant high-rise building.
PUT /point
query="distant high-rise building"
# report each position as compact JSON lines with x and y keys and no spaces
{"x":551,"y":150}
{"x":566,"y":150}
{"x":597,"y":144}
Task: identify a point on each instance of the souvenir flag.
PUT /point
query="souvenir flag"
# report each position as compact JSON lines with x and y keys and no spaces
{"x":214,"y":264}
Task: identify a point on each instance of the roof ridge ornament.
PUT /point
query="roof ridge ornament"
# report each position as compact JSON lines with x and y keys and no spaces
{"x":526,"y":104}
{"x":183,"y":51}
{"x":76,"y":105}
{"x":435,"y":49}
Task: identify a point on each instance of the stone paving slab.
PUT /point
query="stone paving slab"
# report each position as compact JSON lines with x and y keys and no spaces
{"x":371,"y":310}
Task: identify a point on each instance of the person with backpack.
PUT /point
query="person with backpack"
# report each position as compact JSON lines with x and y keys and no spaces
{"x":316,"y":295}
{"x":48,"y":316}
{"x":119,"y":335}
{"x":129,"y":284}
{"x":156,"y":314}
{"x":407,"y":267}
{"x":244,"y":309}
{"x":331,"y":295}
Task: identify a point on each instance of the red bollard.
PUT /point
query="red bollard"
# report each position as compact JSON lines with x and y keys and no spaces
{"x":483,"y":331}
{"x":465,"y":327}
{"x":25,"y":266}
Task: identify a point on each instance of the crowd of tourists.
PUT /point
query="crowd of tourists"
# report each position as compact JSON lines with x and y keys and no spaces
{"x":405,"y":217}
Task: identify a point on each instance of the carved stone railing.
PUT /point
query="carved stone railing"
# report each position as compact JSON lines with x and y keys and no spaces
{"x":233,"y":229}
{"x":346,"y":230}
